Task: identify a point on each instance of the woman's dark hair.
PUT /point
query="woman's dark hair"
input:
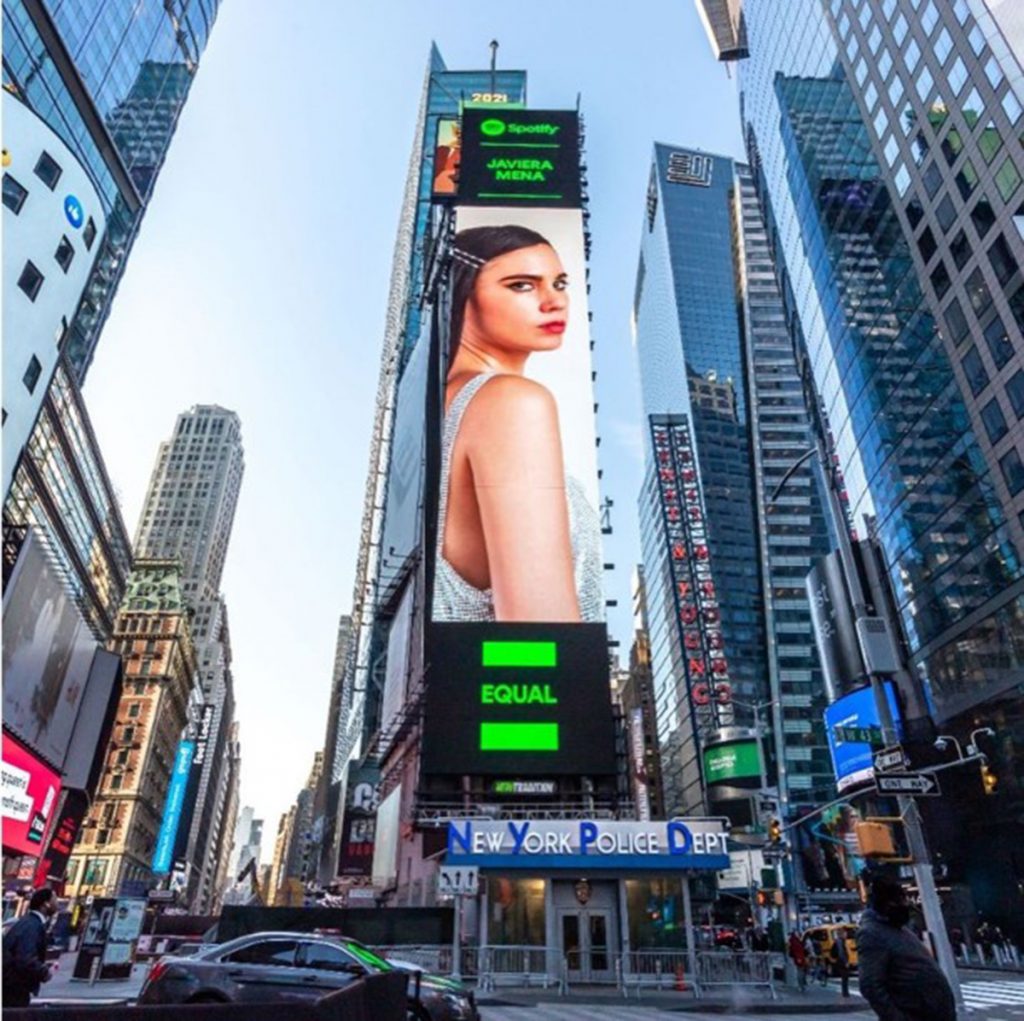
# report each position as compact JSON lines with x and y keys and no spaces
{"x":472,"y":248}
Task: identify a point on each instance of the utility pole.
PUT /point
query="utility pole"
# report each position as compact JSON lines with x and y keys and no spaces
{"x":922,"y":866}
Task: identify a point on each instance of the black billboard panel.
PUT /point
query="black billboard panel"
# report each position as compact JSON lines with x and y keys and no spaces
{"x":510,"y":157}
{"x":518,"y":700}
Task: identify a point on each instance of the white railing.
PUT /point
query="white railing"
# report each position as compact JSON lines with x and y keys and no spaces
{"x":666,"y":968}
{"x":522,"y":966}
{"x":735,"y":968}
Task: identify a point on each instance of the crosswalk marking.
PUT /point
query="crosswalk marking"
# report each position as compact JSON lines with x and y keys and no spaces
{"x":993,"y":994}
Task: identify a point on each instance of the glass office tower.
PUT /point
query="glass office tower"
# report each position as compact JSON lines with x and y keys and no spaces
{"x":110,"y":77}
{"x":885,"y":141}
{"x":723,"y":402}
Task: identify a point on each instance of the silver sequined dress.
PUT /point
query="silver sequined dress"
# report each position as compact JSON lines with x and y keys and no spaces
{"x":454,"y":598}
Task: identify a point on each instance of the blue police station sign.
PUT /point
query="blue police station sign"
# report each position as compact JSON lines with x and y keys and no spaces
{"x":855,"y":734}
{"x":589,"y":844}
{"x":172,"y":809}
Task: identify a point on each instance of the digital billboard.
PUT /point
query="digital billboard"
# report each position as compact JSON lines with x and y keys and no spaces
{"x":446,"y":156}
{"x":518,"y":700}
{"x":54,"y":862}
{"x":855,"y":734}
{"x":30,"y":791}
{"x":727,"y":763}
{"x":47,"y":653}
{"x":172,"y":808}
{"x":520,"y":156}
{"x":516,"y":660}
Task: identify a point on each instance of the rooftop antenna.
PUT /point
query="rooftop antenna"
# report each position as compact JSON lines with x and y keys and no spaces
{"x":494,"y":65}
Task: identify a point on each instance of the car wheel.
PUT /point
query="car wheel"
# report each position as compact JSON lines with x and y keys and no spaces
{"x":207,"y":998}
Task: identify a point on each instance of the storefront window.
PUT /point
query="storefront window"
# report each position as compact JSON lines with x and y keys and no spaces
{"x":515,"y":912}
{"x":655,"y":908}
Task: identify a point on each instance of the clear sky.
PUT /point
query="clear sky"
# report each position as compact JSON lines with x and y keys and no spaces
{"x":259,"y":282}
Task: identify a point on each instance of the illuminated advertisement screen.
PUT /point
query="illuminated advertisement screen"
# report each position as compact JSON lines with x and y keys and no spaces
{"x":518,"y":699}
{"x":30,"y":791}
{"x":173,"y":807}
{"x":726,"y":763}
{"x":446,"y":156}
{"x":516,"y":655}
{"x":520,"y":156}
{"x":855,"y":734}
{"x":47,"y":653}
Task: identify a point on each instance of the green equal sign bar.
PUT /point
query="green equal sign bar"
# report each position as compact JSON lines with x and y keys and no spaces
{"x":520,"y":654}
{"x":519,"y":737}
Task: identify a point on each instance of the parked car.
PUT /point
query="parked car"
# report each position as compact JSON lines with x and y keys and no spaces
{"x":823,"y":936}
{"x":288,"y":966}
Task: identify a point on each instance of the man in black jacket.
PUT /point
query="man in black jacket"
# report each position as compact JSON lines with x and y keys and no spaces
{"x":898,"y":977}
{"x":25,"y":967}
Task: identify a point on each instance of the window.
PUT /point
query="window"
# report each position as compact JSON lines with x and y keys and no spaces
{"x":1011,"y":107}
{"x":1015,"y":391}
{"x":993,"y":72}
{"x":30,"y":280}
{"x":14,"y":194}
{"x":133,"y":709}
{"x":1013,"y":471}
{"x":960,"y":248}
{"x":64,"y":254}
{"x":884,"y":63}
{"x":967,"y":179}
{"x":1003,"y":263}
{"x":48,"y":170}
{"x":940,"y":279}
{"x":926,"y":243}
{"x":880,"y":121}
{"x":974,"y":370}
{"x":978,"y":292}
{"x":995,"y":423}
{"x":128,"y":735}
{"x":1007,"y":179}
{"x":860,"y":71}
{"x":943,"y":47}
{"x":990,"y":142}
{"x":957,"y":321}
{"x":952,"y":145}
{"x":912,"y":56}
{"x":89,"y":234}
{"x":115,"y":782}
{"x":932,"y":179}
{"x":875,"y":39}
{"x":892,"y":150}
{"x":977,"y":40}
{"x":973,"y":108}
{"x":902,"y":184}
{"x":274,"y":952}
{"x":870,"y":96}
{"x":982,"y":216}
{"x":999,"y":344}
{"x":32,"y":374}
{"x":326,"y":957}
{"x":945,"y":212}
{"x":957,"y":76}
{"x":929,"y":17}
{"x":1017,"y":306}
{"x":899,"y":30}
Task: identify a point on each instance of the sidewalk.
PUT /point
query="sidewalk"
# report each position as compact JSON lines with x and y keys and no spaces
{"x":736,"y":1000}
{"x":62,"y":988}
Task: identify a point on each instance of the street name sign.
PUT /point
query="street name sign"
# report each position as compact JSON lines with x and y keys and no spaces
{"x":889,"y":759}
{"x":915,"y":784}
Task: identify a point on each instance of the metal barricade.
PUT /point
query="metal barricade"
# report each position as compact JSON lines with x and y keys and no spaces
{"x":655,"y":968}
{"x":521,"y":966}
{"x":735,"y":968}
{"x":436,"y":959}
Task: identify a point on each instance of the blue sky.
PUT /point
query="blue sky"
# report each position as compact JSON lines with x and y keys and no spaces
{"x":259,"y":282}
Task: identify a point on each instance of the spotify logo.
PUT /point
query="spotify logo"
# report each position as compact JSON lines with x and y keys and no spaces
{"x":492,"y":127}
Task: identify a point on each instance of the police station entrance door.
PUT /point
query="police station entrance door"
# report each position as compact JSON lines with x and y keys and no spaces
{"x":587,"y":944}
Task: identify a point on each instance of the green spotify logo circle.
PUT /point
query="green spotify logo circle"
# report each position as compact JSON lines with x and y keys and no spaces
{"x":492,"y":126}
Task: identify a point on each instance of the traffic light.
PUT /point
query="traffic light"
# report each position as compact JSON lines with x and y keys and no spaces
{"x":775,"y":831}
{"x":989,"y":779}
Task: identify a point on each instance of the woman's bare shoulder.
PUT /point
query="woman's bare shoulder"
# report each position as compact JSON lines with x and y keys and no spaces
{"x":512,"y":395}
{"x":509,"y":418}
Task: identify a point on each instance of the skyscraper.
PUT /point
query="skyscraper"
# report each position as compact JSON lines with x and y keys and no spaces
{"x":111,"y":80}
{"x":724,"y":564}
{"x":188,"y":514}
{"x":884,"y":140}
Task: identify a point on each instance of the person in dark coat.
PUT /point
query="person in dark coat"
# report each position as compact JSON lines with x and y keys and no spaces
{"x":25,"y":967}
{"x":898,"y":977}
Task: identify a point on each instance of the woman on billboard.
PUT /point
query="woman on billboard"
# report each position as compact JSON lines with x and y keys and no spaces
{"x":517,"y":538}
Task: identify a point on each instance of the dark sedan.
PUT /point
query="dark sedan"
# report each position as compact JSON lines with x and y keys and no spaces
{"x":283,"y":966}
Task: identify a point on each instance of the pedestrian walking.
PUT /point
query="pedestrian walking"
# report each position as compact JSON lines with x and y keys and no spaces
{"x":799,"y":958}
{"x":25,"y":966}
{"x":898,"y":977}
{"x":840,"y":956}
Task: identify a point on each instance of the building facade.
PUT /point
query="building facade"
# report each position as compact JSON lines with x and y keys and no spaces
{"x":725,"y":423}
{"x":115,"y":848}
{"x":111,"y":81}
{"x":188,"y":513}
{"x":884,"y":142}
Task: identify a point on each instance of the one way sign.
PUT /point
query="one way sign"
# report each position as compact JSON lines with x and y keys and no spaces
{"x":889,"y":759}
{"x":916,"y":784}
